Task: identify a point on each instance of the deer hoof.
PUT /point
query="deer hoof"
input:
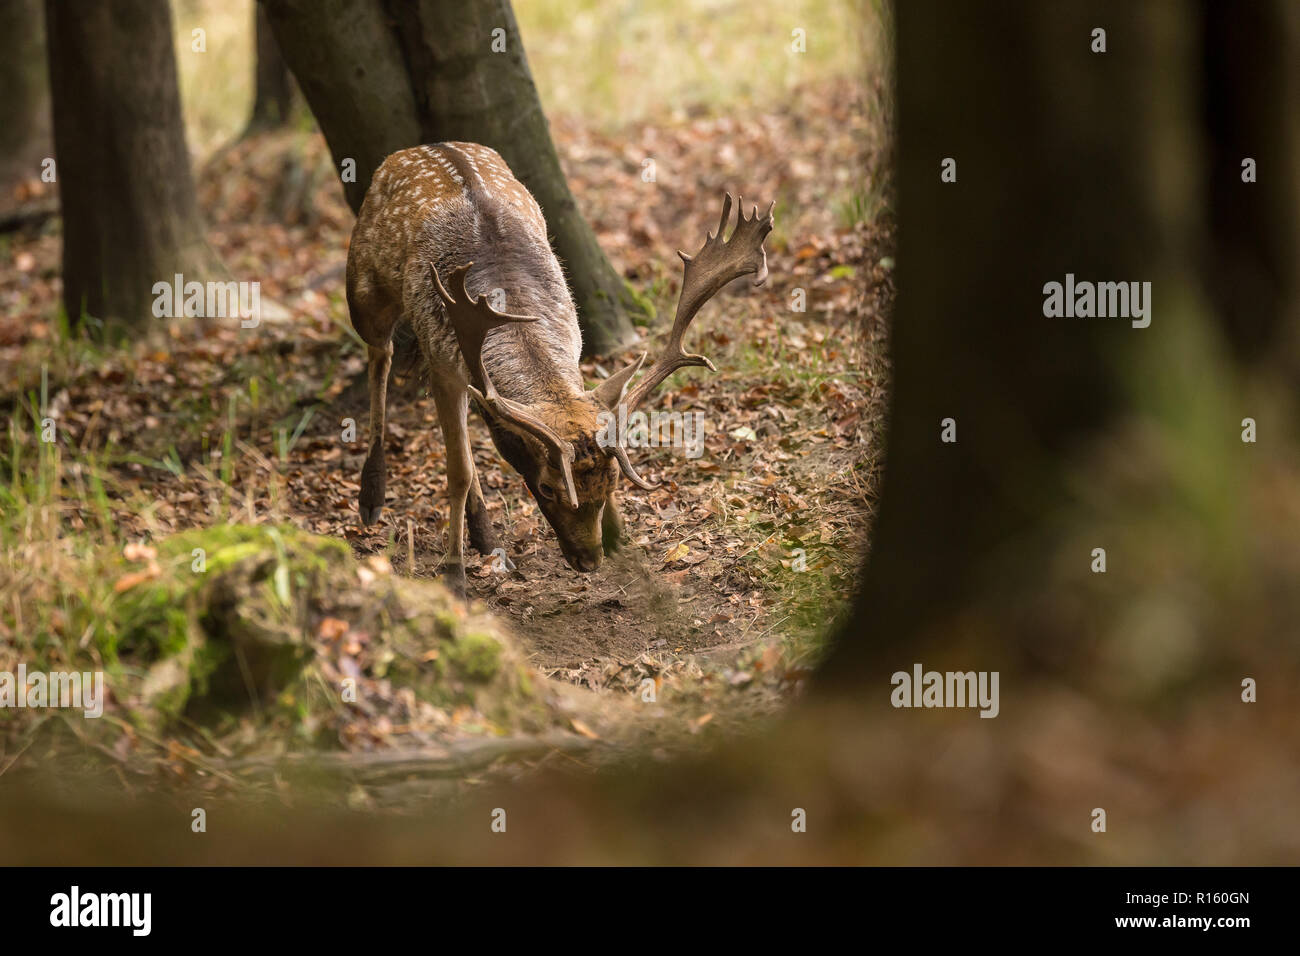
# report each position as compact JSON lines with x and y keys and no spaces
{"x":370,"y":513}
{"x":454,"y":578}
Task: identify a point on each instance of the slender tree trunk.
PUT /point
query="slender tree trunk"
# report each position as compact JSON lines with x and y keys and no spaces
{"x":130,"y":216}
{"x":1251,"y":96}
{"x":384,"y":76}
{"x":273,"y":93}
{"x":25,"y":137}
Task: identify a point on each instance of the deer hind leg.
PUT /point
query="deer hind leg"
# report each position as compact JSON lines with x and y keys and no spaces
{"x":481,"y":536}
{"x":374,"y":472}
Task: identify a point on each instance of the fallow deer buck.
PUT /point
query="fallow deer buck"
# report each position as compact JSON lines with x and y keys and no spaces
{"x":446,"y":227}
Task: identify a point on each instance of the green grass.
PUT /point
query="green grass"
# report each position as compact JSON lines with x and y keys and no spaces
{"x":640,"y":59}
{"x":862,"y":205}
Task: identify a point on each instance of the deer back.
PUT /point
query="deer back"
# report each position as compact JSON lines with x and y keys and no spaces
{"x":446,"y":205}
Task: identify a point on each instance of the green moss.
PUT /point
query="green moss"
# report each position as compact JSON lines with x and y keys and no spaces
{"x":446,"y":623}
{"x":244,"y":614}
{"x":215,"y":585}
{"x":477,"y":655}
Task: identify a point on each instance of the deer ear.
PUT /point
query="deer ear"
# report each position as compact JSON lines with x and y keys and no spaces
{"x":611,"y":391}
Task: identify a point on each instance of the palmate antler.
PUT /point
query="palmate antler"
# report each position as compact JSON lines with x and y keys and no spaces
{"x":717,"y":263}
{"x":472,"y":319}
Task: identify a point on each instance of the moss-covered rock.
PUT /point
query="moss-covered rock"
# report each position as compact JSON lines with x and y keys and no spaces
{"x":218,"y":620}
{"x":477,"y":654}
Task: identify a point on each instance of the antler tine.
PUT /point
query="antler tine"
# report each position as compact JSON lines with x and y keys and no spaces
{"x":625,"y":464}
{"x":719,"y":261}
{"x":472,"y":319}
{"x":725,"y":219}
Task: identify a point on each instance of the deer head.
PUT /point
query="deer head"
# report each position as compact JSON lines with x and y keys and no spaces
{"x":556,"y":445}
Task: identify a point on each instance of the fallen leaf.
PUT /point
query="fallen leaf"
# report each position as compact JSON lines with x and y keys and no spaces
{"x":128,"y":581}
{"x":332,"y":628}
{"x":139,"y":552}
{"x":676,"y":552}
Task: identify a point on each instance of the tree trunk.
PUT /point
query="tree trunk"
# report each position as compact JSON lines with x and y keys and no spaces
{"x":25,"y":107}
{"x":130,"y":216}
{"x":273,"y":94}
{"x":382,"y":77}
{"x":1251,"y":89}
{"x":1068,"y":161}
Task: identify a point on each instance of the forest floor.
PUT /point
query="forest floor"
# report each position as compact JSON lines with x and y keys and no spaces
{"x":740,"y":561}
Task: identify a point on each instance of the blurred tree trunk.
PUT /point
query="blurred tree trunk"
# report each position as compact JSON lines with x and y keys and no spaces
{"x":130,"y":216}
{"x":273,"y":94}
{"x":1251,"y":90}
{"x":1068,"y":161}
{"x":25,"y":107}
{"x":385,"y":76}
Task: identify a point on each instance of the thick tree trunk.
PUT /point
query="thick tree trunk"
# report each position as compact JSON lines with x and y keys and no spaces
{"x":451,"y":47}
{"x":130,"y":216}
{"x":1068,"y":161}
{"x":25,"y":137}
{"x":273,"y":84}
{"x":347,"y":59}
{"x":381,"y":77}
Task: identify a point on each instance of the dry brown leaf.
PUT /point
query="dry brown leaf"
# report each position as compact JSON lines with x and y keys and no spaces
{"x":138,"y":551}
{"x":128,"y":581}
{"x":332,"y":628}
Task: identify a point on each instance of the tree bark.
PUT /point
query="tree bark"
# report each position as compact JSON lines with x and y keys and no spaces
{"x":385,"y":76}
{"x":1251,"y":97}
{"x":25,"y":137}
{"x":273,"y":84}
{"x":1068,"y":161}
{"x":130,"y":216}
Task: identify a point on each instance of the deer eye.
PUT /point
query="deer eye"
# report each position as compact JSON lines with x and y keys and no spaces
{"x":546,"y":491}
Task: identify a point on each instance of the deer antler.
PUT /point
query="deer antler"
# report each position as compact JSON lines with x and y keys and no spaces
{"x":704,"y":274}
{"x":625,"y":464}
{"x":472,"y":319}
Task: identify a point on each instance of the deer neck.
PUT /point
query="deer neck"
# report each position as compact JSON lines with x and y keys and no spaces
{"x":535,"y":362}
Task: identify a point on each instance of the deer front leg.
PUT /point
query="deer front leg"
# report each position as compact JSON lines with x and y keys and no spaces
{"x":374,"y":472}
{"x":453,"y":405}
{"x":611,"y":526}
